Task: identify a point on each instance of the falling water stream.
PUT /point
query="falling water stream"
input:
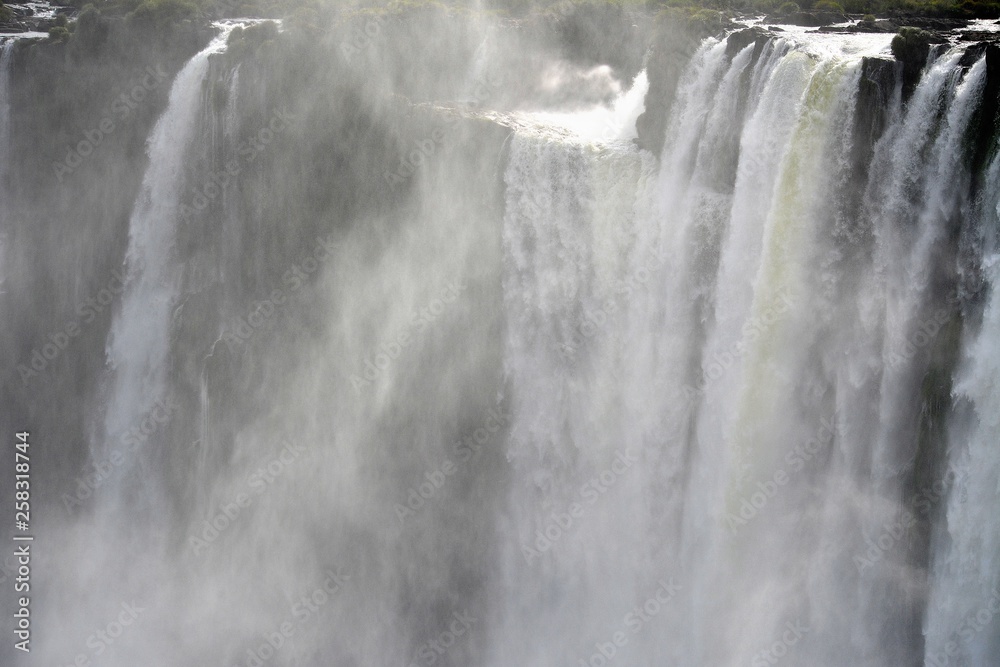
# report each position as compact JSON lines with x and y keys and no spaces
{"x":670,"y":409}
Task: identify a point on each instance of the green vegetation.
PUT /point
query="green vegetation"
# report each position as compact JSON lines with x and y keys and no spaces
{"x":911,"y":47}
{"x":829,"y":6}
{"x":58,"y":33}
{"x":911,"y":44}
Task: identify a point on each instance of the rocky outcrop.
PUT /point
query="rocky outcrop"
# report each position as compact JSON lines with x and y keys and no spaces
{"x":676,"y":39}
{"x":865,"y":26}
{"x":738,"y":41}
{"x":876,"y":89}
{"x":911,"y":48}
{"x":936,"y":26}
{"x":987,"y":116}
{"x":933,"y":24}
{"x":978,"y":36}
{"x":17,"y":18}
{"x":603,"y":34}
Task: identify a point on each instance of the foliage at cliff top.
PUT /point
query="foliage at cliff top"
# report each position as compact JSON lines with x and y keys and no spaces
{"x":911,"y":44}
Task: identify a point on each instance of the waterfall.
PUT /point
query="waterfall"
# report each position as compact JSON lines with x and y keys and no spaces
{"x":964,"y":597}
{"x":139,"y":343}
{"x":449,"y":383}
{"x":6,"y":58}
{"x":709,"y":321}
{"x":6,"y":53}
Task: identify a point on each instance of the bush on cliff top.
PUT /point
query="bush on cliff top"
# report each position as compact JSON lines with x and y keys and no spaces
{"x":911,"y":45}
{"x":58,"y":34}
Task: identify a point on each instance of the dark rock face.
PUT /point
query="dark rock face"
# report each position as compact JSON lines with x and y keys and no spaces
{"x":738,"y":41}
{"x":879,"y":77}
{"x":22,"y":18}
{"x":978,"y":36}
{"x":987,"y":115}
{"x":911,"y":47}
{"x":674,"y":42}
{"x":14,"y":18}
{"x":879,"y":84}
{"x":604,"y":34}
{"x":879,"y":26}
{"x":928,"y":23}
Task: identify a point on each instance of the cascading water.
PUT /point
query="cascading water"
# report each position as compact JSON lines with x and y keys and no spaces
{"x":964,"y":594}
{"x":6,"y":53}
{"x":139,"y":343}
{"x":733,"y":404}
{"x":772,"y":475}
{"x":138,"y":387}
